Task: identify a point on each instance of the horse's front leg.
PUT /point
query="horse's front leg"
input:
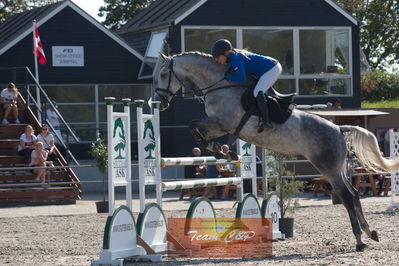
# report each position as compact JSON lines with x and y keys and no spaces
{"x":213,"y":130}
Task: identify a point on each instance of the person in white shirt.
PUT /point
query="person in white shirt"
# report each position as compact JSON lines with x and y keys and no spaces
{"x":27,"y":143}
{"x":9,"y":102}
{"x":54,"y":120}
{"x":48,"y":142}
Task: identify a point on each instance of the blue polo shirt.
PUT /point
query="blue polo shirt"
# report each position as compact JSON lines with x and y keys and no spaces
{"x":255,"y":65}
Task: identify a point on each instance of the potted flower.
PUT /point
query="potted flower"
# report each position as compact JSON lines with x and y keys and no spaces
{"x":285,"y":189}
{"x":99,"y":153}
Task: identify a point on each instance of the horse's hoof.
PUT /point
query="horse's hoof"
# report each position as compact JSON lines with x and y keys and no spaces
{"x":219,"y":155}
{"x":216,"y":147}
{"x":374,"y":236}
{"x":232,"y":156}
{"x":361,"y":247}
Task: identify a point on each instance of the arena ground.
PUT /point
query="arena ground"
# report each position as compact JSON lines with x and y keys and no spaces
{"x":72,"y":234}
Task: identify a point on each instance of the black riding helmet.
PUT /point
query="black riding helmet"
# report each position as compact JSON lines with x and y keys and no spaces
{"x":221,"y":46}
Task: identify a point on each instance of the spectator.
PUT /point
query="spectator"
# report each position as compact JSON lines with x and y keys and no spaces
{"x":226,"y":170}
{"x":387,"y":143}
{"x":26,"y":143}
{"x":54,"y":120}
{"x":194,"y":171}
{"x":48,"y":142}
{"x":200,"y":170}
{"x":337,"y":104}
{"x":39,"y":158}
{"x":9,"y":102}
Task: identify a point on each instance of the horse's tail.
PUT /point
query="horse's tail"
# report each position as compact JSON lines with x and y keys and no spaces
{"x":365,"y":146}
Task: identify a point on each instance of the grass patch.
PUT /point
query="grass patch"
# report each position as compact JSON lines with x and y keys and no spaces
{"x":381,"y":104}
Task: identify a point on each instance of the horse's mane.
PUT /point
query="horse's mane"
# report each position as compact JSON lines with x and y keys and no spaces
{"x":195,"y":53}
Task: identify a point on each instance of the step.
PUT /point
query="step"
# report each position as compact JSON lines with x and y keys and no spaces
{"x":9,"y":147}
{"x":11,"y":131}
{"x":29,"y":177}
{"x":6,"y":161}
{"x":44,"y":194}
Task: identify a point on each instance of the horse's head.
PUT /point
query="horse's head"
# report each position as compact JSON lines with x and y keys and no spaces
{"x":168,"y":82}
{"x":194,"y":68}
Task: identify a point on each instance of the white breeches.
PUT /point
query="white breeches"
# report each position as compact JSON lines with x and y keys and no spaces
{"x":268,"y":79}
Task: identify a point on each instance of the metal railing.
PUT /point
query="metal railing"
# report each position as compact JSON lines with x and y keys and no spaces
{"x":45,"y":104}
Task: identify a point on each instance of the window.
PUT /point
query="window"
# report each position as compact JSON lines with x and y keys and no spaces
{"x":324,"y":51}
{"x":151,"y":57}
{"x":202,"y":39}
{"x":275,"y":43}
{"x":315,"y":61}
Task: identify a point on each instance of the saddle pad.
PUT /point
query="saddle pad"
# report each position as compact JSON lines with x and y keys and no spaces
{"x":279,"y":109}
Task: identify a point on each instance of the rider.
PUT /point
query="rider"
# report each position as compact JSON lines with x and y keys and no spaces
{"x":243,"y":63}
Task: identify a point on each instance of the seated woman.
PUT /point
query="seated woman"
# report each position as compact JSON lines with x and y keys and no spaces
{"x":9,"y":102}
{"x":26,"y":143}
{"x":39,"y":158}
{"x":48,"y":142}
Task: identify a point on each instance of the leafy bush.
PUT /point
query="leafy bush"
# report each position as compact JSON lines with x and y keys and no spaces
{"x":99,"y":152}
{"x":379,"y":85}
{"x":283,"y":188}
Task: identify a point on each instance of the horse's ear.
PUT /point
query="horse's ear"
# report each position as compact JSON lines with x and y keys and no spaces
{"x":163,"y":57}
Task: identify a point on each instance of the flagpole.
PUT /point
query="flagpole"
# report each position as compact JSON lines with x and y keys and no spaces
{"x":39,"y":117}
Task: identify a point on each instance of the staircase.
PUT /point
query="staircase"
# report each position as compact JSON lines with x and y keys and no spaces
{"x":18,"y":186}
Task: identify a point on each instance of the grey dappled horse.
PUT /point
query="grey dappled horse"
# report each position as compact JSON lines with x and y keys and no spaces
{"x":319,"y":140}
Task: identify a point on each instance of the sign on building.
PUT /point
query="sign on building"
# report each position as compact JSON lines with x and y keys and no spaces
{"x":68,"y":56}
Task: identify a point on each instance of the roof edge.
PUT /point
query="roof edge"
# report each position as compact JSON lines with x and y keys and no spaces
{"x":343,"y":12}
{"x":101,"y":27}
{"x":80,"y":11}
{"x":189,"y":11}
{"x":30,"y":29}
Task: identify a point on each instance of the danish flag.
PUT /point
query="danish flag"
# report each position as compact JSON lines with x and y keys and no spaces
{"x":37,"y":45}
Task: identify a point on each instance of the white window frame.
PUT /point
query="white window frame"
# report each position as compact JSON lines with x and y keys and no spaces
{"x":296,"y":46}
{"x":146,"y":52}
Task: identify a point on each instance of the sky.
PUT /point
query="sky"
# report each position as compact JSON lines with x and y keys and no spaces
{"x":91,"y":7}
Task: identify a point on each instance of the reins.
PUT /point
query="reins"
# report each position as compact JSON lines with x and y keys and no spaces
{"x":194,"y":92}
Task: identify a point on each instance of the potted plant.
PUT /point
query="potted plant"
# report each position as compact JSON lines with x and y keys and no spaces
{"x":285,"y":189}
{"x":99,"y":153}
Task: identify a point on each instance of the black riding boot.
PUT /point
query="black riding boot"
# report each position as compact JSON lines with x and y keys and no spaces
{"x":262,"y":105}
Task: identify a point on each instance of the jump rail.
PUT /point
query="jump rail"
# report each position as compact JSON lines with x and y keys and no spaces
{"x":209,"y":160}
{"x":210,"y":182}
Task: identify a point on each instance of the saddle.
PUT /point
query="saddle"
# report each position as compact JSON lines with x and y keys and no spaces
{"x":280,"y":106}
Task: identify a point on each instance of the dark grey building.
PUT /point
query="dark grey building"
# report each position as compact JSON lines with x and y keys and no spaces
{"x":85,"y":63}
{"x":316,"y":41}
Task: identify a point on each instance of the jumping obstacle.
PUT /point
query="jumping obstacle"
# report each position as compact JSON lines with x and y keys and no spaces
{"x":150,"y":163}
{"x":152,"y":233}
{"x":394,"y":153}
{"x":120,"y":236}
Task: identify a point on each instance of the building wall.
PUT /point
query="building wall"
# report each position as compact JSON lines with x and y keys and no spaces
{"x":106,"y":61}
{"x":293,"y":13}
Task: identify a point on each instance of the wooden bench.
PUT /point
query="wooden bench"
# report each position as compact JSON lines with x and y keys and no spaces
{"x":365,"y":181}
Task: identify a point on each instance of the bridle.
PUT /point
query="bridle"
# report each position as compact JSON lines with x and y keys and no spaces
{"x":197,"y":92}
{"x":164,"y":98}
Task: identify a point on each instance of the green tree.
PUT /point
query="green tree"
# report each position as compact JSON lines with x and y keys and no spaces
{"x":9,"y":8}
{"x":118,"y":12}
{"x":379,"y":32}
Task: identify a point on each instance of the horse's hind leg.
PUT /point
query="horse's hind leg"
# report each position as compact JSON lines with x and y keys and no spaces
{"x":358,"y":207}
{"x":348,"y":200}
